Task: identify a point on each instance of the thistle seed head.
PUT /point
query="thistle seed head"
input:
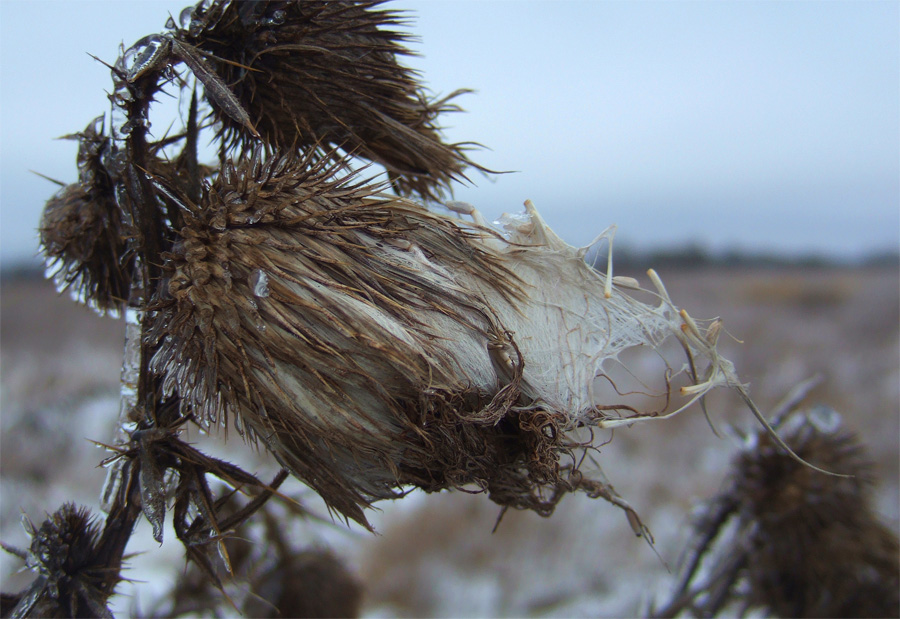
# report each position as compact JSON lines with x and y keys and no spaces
{"x":372,"y":344}
{"x":291,"y":304}
{"x":71,"y":575}
{"x":83,"y":237}
{"x":324,"y":75}
{"x":818,"y":549}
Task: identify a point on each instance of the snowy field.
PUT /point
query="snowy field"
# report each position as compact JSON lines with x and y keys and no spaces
{"x":435,"y":555}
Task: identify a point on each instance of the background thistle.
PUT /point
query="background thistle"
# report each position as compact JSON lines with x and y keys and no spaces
{"x":72,"y":569}
{"x":790,"y":541}
{"x":819,"y":548}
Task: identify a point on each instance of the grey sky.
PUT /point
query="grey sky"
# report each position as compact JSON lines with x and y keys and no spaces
{"x":754,"y":125}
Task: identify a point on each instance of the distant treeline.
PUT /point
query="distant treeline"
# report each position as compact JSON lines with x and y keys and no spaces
{"x":695,"y":256}
{"x":626,"y":258}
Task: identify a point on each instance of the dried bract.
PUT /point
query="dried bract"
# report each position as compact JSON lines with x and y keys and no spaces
{"x":372,"y":344}
{"x":324,"y":75}
{"x":83,"y":237}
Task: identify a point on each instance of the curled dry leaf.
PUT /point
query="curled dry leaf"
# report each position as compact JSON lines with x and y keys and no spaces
{"x":372,"y":344}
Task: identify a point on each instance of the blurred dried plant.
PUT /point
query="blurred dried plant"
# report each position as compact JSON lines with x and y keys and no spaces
{"x":788,"y":541}
{"x":270,"y":577}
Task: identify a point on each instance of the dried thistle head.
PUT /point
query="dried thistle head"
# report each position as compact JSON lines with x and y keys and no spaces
{"x":294,"y":303}
{"x":775,"y":489}
{"x":819,"y":548}
{"x":791,"y":540}
{"x":308,"y":583}
{"x":325,"y":75}
{"x":72,"y":577}
{"x":83,"y":237}
{"x":371,"y":344}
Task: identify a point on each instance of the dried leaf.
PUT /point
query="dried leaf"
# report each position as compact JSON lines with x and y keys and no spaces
{"x":216,"y":89}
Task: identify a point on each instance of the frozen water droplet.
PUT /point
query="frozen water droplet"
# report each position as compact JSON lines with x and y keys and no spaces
{"x":223,"y":554}
{"x":191,"y":18}
{"x":277,"y":18}
{"x":111,"y":485}
{"x":185,"y":18}
{"x":132,"y":359}
{"x":259,"y":282}
{"x":148,"y":54}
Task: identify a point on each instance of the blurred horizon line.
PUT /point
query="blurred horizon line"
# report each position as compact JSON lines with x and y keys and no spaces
{"x":684,"y":255}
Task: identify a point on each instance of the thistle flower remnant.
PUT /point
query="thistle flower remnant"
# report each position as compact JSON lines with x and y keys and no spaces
{"x":372,"y":344}
{"x":320,"y":75}
{"x":66,"y":554}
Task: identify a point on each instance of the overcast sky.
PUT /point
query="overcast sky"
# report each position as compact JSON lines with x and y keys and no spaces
{"x":770,"y":126}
